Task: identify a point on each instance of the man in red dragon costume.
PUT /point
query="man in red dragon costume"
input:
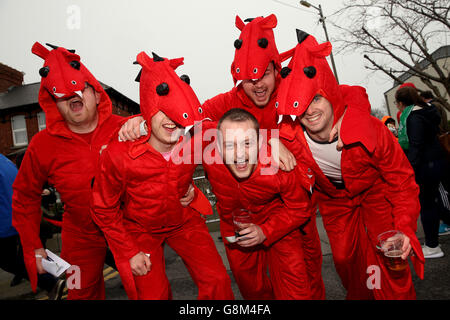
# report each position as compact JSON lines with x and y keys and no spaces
{"x":136,"y":190}
{"x":362,"y":190}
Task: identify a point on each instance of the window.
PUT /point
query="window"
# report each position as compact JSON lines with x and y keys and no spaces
{"x":19,"y":130}
{"x":41,"y":120}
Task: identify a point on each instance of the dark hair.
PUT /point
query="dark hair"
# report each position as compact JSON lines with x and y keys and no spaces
{"x":239,"y":115}
{"x":409,"y":96}
{"x":427,"y":95}
{"x":389,"y":120}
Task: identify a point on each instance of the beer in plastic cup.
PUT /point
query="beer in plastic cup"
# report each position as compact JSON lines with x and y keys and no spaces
{"x":391,"y":243}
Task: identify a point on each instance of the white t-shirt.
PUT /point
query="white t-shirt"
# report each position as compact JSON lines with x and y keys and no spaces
{"x":327,"y":158}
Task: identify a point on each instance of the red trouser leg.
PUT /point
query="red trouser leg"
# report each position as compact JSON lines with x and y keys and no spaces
{"x":249,"y":267}
{"x":287,"y":268}
{"x":313,"y":259}
{"x":154,"y":285}
{"x":88,"y":253}
{"x":378,"y":218}
{"x":194,"y":245}
{"x":348,"y":240}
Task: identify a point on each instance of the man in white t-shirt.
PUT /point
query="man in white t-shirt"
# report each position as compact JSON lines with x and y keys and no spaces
{"x":363,"y":189}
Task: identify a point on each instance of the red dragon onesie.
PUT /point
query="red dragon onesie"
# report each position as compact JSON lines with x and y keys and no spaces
{"x":254,"y":50}
{"x":378,"y":192}
{"x":67,"y":161}
{"x":136,"y":195}
{"x":283,"y":213}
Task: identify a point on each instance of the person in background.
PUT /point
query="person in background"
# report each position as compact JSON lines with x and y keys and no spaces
{"x":428,"y":161}
{"x":389,"y":122}
{"x":11,"y":255}
{"x":428,"y":97}
{"x":444,"y":186}
{"x":402,"y":115}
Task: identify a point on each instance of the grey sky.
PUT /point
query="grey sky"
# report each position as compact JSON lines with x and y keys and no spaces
{"x":111,"y":34}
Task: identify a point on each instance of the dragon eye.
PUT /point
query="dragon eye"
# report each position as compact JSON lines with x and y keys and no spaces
{"x":185,"y":115}
{"x":255,"y":71}
{"x":73,"y":82}
{"x":200,"y":110}
{"x":238,"y":43}
{"x":295,"y":104}
{"x":276,"y":104}
{"x":238,"y":70}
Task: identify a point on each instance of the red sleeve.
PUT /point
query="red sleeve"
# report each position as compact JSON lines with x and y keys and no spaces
{"x":107,"y":191}
{"x":295,"y":211}
{"x":403,"y":192}
{"x":26,"y":206}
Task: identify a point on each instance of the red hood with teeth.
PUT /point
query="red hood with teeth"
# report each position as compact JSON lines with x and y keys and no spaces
{"x":63,"y":75}
{"x":161,"y":89}
{"x":307,"y":75}
{"x":255,"y":48}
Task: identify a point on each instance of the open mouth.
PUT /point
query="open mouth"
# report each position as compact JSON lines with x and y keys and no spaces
{"x":241,"y":165}
{"x":170,"y":127}
{"x":313,"y":118}
{"x":260,"y":93}
{"x":76,"y":105}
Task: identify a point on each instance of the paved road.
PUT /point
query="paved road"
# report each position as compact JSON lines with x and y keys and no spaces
{"x":435,"y":286}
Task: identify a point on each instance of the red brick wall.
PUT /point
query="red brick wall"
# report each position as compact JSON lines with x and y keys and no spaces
{"x":9,"y":77}
{"x":6,"y":139}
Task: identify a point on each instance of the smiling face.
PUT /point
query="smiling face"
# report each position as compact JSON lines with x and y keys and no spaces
{"x":79,"y":113}
{"x":260,"y":91}
{"x":318,"y":118}
{"x":165,"y":133}
{"x":239,"y":147}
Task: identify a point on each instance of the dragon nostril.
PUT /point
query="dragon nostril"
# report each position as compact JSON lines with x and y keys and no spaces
{"x":162,"y":89}
{"x":44,"y":71}
{"x":185,"y":78}
{"x":285,"y":72}
{"x":75,"y":64}
{"x":263,"y":43}
{"x":310,"y":72}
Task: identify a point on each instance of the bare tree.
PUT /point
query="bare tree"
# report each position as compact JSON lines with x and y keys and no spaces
{"x":395,"y":36}
{"x":378,"y":113}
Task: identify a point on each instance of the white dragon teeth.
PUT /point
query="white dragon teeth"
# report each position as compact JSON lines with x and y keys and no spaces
{"x":186,"y":130}
{"x":280,"y":118}
{"x":79,"y":93}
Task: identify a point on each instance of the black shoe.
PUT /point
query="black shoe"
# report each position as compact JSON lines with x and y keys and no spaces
{"x":57,"y":291}
{"x":16,"y":281}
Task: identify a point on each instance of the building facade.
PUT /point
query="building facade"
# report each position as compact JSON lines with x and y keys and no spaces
{"x":442,"y":58}
{"x":21,"y":117}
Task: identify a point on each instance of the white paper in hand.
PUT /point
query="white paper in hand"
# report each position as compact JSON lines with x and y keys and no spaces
{"x":54,"y":264}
